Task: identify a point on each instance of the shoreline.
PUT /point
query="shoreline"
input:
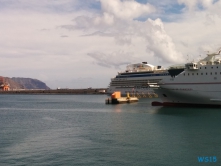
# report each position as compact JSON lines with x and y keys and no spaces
{"x":57,"y":91}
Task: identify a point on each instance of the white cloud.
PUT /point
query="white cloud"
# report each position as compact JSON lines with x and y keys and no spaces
{"x":196,"y":4}
{"x":191,"y":4}
{"x":156,"y":43}
{"x":31,"y":45}
{"x":109,"y":59}
{"x":126,"y":9}
{"x":197,"y":32}
{"x":45,"y":6}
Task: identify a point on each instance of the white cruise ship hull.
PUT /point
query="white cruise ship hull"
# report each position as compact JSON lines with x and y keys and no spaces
{"x":136,"y":79}
{"x":208,"y":93}
{"x":136,"y":85}
{"x":201,"y":86}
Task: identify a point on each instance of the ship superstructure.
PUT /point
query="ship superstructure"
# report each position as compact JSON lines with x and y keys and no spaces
{"x":136,"y":79}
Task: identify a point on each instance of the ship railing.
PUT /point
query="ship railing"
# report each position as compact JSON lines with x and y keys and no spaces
{"x":136,"y":70}
{"x":143,"y":95}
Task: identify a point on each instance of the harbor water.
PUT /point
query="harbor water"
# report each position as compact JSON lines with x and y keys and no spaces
{"x":81,"y":130}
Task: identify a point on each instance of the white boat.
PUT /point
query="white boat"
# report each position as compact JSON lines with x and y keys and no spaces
{"x":199,"y":84}
{"x":136,"y":78}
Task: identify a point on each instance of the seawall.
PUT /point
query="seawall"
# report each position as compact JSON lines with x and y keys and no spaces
{"x":56,"y":91}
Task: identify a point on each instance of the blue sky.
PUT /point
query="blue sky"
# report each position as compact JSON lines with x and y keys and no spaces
{"x":80,"y":44}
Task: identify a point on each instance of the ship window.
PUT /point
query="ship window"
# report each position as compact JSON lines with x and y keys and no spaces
{"x":211,"y":67}
{"x":188,"y":73}
{"x":205,"y":67}
{"x":184,"y":74}
{"x":197,"y":73}
{"x":192,"y":73}
{"x":217,"y":67}
{"x":211,"y":73}
{"x":164,"y":95}
{"x":215,"y":73}
{"x":206,"y":73}
{"x":201,"y":73}
{"x":200,"y":67}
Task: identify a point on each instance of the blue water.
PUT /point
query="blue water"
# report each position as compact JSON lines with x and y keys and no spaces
{"x":81,"y":130}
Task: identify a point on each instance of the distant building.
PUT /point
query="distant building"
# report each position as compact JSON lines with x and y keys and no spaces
{"x":101,"y":91}
{"x":4,"y":86}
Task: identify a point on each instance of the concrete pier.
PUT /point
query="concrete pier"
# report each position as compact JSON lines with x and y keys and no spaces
{"x":117,"y":99}
{"x":56,"y":91}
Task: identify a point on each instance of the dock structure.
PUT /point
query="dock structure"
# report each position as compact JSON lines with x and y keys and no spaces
{"x":56,"y":91}
{"x":117,"y":99}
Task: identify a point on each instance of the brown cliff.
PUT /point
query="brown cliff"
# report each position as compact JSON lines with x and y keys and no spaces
{"x":25,"y":83}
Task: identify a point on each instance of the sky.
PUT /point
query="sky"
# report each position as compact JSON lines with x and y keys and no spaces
{"x":84,"y":43}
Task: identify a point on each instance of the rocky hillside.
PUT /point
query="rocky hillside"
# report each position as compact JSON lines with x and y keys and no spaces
{"x":25,"y":83}
{"x":29,"y":83}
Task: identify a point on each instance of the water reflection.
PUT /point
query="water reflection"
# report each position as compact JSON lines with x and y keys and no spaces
{"x":179,"y":111}
{"x":118,"y":108}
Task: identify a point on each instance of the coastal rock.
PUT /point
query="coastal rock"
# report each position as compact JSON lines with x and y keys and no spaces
{"x":23,"y":83}
{"x":30,"y":83}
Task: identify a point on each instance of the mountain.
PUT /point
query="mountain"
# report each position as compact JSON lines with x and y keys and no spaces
{"x":29,"y":83}
{"x":23,"y":83}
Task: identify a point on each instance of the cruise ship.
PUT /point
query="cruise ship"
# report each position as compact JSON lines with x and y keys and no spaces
{"x":136,"y":79}
{"x":199,"y":84}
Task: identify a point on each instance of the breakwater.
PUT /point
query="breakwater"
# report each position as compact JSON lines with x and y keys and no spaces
{"x":56,"y":91}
